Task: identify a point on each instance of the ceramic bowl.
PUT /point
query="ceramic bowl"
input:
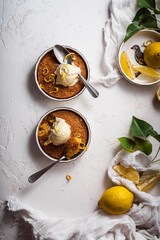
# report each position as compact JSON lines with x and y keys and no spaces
{"x":71,"y":110}
{"x":138,"y":39}
{"x":54,"y":98}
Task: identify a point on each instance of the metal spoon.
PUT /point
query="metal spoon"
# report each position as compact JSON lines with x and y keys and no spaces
{"x":60,"y":52}
{"x":38,"y":174}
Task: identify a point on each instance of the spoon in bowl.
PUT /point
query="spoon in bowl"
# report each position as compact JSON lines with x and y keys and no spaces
{"x":60,"y":52}
{"x":38,"y":174}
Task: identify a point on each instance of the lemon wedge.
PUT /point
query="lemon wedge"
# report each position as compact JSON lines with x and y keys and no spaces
{"x":148,"y":71}
{"x":127,"y":65}
{"x":128,"y":173}
{"x":158,"y":94}
{"x":148,"y":183}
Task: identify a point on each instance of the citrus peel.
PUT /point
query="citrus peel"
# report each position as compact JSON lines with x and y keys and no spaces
{"x":55,"y":90}
{"x":63,"y":73}
{"x":68,"y":177}
{"x":69,"y":54}
{"x":45,"y":71}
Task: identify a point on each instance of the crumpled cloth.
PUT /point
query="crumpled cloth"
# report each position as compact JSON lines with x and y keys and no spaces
{"x":146,"y":213}
{"x":142,"y":222}
{"x":122,"y":13}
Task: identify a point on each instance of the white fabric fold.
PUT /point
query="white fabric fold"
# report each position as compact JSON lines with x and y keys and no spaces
{"x":121,"y":14}
{"x":142,"y":222}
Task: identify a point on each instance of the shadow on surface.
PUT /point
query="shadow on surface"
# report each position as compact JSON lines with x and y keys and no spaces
{"x":156,"y":104}
{"x":13,"y":227}
{"x":34,"y":151}
{"x":35,"y":93}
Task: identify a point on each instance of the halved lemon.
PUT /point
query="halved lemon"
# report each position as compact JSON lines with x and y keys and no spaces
{"x":148,"y":71}
{"x":128,"y":173}
{"x":158,"y":94}
{"x":127,"y":65}
{"x":149,"y":183}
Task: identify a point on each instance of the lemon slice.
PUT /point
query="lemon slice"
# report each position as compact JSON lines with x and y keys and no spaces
{"x":149,"y":183}
{"x":158,"y":94}
{"x":148,"y":71}
{"x":128,"y":173}
{"x":127,"y":65}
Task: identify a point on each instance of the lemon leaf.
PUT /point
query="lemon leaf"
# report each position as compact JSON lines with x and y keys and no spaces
{"x":140,"y":128}
{"x":148,"y":20}
{"x":143,"y":145}
{"x":145,"y":18}
{"x":140,"y":13}
{"x":127,"y":144}
{"x":148,"y":4}
{"x":157,"y":137}
{"x":132,"y":29}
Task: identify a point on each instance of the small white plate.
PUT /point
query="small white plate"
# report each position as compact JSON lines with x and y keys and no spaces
{"x":138,"y":39}
{"x":64,"y":109}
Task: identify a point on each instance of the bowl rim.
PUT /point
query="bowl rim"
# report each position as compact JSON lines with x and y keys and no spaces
{"x":36,"y":78}
{"x":65,"y":109}
{"x":120,"y":68}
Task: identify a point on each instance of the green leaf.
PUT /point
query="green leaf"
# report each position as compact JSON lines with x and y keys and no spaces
{"x":148,"y":4}
{"x":127,"y":144}
{"x":132,"y":29}
{"x":140,"y":128}
{"x":143,"y":145}
{"x":148,"y":20}
{"x":157,"y":137}
{"x":140,"y":12}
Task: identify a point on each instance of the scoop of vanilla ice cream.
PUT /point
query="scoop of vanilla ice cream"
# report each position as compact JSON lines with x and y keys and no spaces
{"x":60,"y":132}
{"x":67,"y":74}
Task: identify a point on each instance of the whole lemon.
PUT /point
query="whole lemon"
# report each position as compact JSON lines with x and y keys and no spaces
{"x":116,"y":200}
{"x":151,"y":55}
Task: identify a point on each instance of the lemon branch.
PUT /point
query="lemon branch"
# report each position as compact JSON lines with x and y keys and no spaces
{"x":158,"y":29}
{"x":145,"y":18}
{"x":156,"y":156}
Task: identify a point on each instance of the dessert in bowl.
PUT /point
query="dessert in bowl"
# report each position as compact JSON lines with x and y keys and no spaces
{"x":60,"y":81}
{"x":63,"y":131}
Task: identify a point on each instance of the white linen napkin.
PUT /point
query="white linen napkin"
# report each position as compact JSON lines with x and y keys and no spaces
{"x":140,"y":223}
{"x":121,"y":14}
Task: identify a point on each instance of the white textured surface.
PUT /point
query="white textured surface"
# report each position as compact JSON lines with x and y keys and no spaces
{"x":27,"y":28}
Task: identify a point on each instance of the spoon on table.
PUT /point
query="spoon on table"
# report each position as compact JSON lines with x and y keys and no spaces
{"x":60,"y":53}
{"x":38,"y":174}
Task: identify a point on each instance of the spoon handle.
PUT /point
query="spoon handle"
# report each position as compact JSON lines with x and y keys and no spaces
{"x":38,"y":174}
{"x":91,"y":89}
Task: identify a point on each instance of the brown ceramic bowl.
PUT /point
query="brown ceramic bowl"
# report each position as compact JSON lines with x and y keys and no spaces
{"x":77,"y":122}
{"x":48,"y":60}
